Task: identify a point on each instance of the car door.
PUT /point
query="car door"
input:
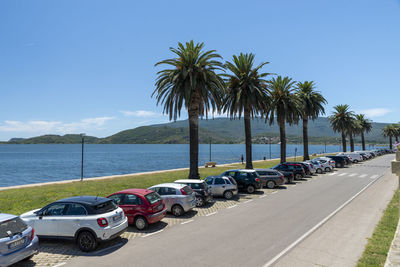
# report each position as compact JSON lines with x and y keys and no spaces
{"x":219,"y":186}
{"x":47,"y":223}
{"x":210,"y":183}
{"x":75,"y":217}
{"x":131,"y":205}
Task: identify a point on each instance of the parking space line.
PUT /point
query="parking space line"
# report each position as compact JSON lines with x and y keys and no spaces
{"x":247,"y":201}
{"x":363,"y":175}
{"x":231,"y":207}
{"x":374,"y":176}
{"x":212,"y":213}
{"x":59,"y":264}
{"x":263,"y":196}
{"x":333,"y":173}
{"x":277,"y":191}
{"x":159,"y":231}
{"x":187,"y":222}
{"x":343,"y":174}
{"x":353,"y":174}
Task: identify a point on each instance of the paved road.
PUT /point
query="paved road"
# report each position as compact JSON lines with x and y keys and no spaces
{"x":249,"y":234}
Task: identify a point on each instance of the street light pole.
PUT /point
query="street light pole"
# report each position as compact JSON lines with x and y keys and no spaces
{"x":210,"y":149}
{"x":270,"y":140}
{"x":83,"y":142}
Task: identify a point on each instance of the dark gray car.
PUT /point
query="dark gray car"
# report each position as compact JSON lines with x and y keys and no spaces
{"x":270,"y":178}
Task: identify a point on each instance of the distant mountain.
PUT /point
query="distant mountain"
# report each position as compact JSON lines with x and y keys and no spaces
{"x":219,"y":130}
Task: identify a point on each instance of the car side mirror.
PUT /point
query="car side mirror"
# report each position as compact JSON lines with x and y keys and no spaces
{"x":39,"y":213}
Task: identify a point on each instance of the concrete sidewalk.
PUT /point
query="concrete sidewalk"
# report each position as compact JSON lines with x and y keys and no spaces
{"x":341,"y":241}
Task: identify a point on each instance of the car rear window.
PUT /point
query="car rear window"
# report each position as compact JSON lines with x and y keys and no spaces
{"x":187,"y":190}
{"x":105,"y":207}
{"x":153,"y":197}
{"x":232,"y":180}
{"x":14,"y":226}
{"x":197,"y":185}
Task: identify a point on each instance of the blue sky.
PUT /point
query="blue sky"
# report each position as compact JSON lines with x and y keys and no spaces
{"x":88,"y":66}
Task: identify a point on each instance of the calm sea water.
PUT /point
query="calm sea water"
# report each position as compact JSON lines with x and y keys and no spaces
{"x":26,"y":164}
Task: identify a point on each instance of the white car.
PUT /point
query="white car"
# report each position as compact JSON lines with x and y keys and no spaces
{"x":332,"y":163}
{"x":87,"y":219}
{"x":354,"y":157}
{"x":317,"y":165}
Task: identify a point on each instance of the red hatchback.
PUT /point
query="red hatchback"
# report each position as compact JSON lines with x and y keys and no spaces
{"x":141,"y":206}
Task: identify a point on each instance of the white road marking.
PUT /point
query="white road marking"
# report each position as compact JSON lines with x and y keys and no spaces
{"x":60,"y":264}
{"x":247,"y":201}
{"x":212,"y":213}
{"x":187,"y":222}
{"x":363,"y":175}
{"x":159,"y":231}
{"x":343,"y":174}
{"x":283,"y":252}
{"x":231,"y":207}
{"x":263,"y":196}
{"x":374,"y":176}
{"x":333,"y":173}
{"x":277,"y":191}
{"x":353,"y":174}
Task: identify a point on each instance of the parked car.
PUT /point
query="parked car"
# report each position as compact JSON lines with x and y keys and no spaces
{"x":305,"y":167}
{"x":222,"y":186}
{"x":200,"y":188}
{"x":296,"y":169}
{"x":179,"y":198}
{"x":17,"y":240}
{"x":318,"y":166}
{"x":270,"y":178}
{"x":246,"y":179}
{"x":289,"y":177}
{"x":311,"y":167}
{"x":141,"y":206}
{"x":326,"y":164}
{"x":354,"y":157}
{"x":330,"y":161}
{"x":340,"y":161}
{"x":87,"y":219}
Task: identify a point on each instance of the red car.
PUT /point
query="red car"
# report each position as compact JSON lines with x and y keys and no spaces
{"x":141,"y":206}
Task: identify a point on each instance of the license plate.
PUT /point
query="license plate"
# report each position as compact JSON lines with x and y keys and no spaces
{"x":117,"y":218}
{"x":16,"y":243}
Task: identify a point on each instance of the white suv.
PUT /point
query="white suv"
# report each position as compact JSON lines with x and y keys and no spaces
{"x":87,"y":219}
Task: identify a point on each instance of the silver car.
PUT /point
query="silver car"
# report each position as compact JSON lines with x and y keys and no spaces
{"x":270,"y":178}
{"x":222,"y":186}
{"x":178,"y":198}
{"x":17,"y":240}
{"x":318,"y":166}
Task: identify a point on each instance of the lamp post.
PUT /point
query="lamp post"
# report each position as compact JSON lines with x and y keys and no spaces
{"x":270,"y":140}
{"x":295,"y":152}
{"x":83,"y":142}
{"x":210,"y":149}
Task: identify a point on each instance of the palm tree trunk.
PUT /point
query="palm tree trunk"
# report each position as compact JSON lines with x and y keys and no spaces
{"x":282,"y":133}
{"x":344,"y":141}
{"x":194,"y":141}
{"x":363,"y":141}
{"x":397,"y":138}
{"x":351,"y":142}
{"x":247,"y":132}
{"x":390,"y":142}
{"x":305,"y":139}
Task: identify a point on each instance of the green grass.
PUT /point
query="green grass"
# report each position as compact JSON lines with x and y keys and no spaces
{"x":378,"y":246}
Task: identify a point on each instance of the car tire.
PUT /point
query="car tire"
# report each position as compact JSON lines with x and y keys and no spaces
{"x":86,"y":241}
{"x":140,"y":223}
{"x":250,"y":189}
{"x":177,"y":210}
{"x":355,"y":161}
{"x":228,"y":194}
{"x":327,"y":169}
{"x":340,"y":165}
{"x":200,"y":202}
{"x":319,"y":171}
{"x":298,"y":176}
{"x":270,"y":184}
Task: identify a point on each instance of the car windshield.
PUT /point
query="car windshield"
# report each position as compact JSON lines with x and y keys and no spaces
{"x":187,"y":190}
{"x":105,"y":207}
{"x":197,"y":185}
{"x":13,"y":226}
{"x":153,"y":197}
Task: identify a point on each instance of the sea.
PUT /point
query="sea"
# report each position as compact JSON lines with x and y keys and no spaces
{"x":37,"y":163}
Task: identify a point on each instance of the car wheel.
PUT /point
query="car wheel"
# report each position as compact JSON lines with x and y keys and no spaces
{"x":228,"y":194}
{"x":319,"y":171}
{"x":141,"y":223}
{"x":298,"y":176}
{"x":250,"y":189}
{"x":270,"y":184}
{"x":327,"y":169}
{"x":199,"y":201}
{"x":86,"y":241}
{"x":340,"y":165}
{"x":177,"y":210}
{"x":355,"y":161}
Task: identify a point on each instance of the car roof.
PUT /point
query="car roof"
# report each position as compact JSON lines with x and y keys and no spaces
{"x":266,"y":170}
{"x":88,"y":200}
{"x":6,"y":217}
{"x":193,"y":181}
{"x":137,"y":191}
{"x":240,"y":170}
{"x":218,"y":176}
{"x":173,"y":185}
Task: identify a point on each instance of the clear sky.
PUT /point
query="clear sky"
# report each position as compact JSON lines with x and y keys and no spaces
{"x":88,"y":66}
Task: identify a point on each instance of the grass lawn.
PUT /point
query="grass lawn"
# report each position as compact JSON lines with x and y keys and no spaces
{"x":379,"y":244}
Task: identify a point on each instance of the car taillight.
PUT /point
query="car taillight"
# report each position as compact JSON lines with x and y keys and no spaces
{"x":32,"y":234}
{"x":183,"y":192}
{"x":102,"y":222}
{"x":257,"y":179}
{"x":311,"y":166}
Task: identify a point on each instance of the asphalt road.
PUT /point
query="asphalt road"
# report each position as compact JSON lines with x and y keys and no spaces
{"x":250,"y":234}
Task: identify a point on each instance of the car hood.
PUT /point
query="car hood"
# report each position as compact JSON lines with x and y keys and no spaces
{"x":28,"y":214}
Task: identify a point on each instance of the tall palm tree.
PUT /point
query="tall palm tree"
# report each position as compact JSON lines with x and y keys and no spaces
{"x":340,"y":119}
{"x":190,"y":81}
{"x":365,"y":127}
{"x":312,"y":104}
{"x":284,"y":104}
{"x":397,"y":127}
{"x":389,"y":131}
{"x":353,"y":127}
{"x":245,"y":94}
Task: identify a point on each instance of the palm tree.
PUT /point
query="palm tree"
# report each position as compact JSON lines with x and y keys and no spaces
{"x":365,"y":127}
{"x":190,"y":81}
{"x":389,"y":131}
{"x":340,"y":120}
{"x":285,"y":105}
{"x":312,"y":104}
{"x":397,"y":127}
{"x":245,"y":94}
{"x":353,"y":127}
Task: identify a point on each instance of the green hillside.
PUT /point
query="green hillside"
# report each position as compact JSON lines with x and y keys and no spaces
{"x":54,"y":139}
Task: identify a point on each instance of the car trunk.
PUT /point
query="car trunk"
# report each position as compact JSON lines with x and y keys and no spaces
{"x":155,"y":201}
{"x":14,"y":235}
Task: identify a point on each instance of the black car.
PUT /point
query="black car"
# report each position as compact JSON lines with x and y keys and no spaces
{"x":305,"y":167}
{"x":200,"y":188}
{"x":289,"y":176}
{"x":340,"y":161}
{"x":246,"y":179}
{"x":296,"y":169}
